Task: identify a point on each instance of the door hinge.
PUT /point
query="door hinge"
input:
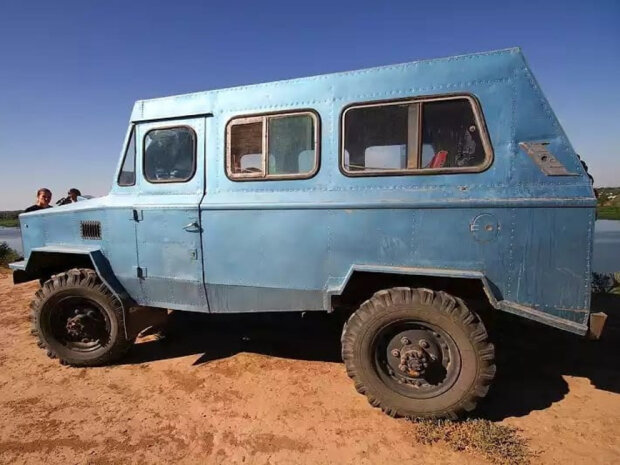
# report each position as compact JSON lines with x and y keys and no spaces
{"x":137,"y":215}
{"x":140,"y":272}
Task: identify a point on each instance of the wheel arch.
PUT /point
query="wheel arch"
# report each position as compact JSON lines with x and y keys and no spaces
{"x":362,"y":281}
{"x":43,"y":262}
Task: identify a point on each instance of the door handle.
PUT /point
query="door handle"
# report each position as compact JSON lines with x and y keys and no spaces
{"x":192,"y":227}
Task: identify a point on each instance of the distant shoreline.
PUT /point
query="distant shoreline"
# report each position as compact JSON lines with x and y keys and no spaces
{"x":602,"y":213}
{"x":608,"y":213}
{"x":9,"y":218}
{"x":9,"y":223}
{"x":608,"y":208}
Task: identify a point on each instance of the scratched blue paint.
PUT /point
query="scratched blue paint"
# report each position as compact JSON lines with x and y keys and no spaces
{"x":291,"y":244}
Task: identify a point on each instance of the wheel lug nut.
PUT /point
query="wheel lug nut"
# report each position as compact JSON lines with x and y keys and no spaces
{"x":405,"y":341}
{"x":424,"y":344}
{"x":396,"y":353}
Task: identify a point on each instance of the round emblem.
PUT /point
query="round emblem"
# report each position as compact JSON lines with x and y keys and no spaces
{"x":484,"y":227}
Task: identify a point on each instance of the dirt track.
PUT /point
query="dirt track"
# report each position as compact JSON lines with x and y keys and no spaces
{"x":259,"y":390}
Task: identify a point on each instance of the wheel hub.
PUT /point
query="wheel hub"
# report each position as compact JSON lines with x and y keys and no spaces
{"x":84,"y":326}
{"x":75,"y":325}
{"x":413,"y":362}
{"x":418,"y":358}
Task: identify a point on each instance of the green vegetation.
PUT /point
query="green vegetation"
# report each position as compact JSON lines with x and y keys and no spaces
{"x":7,"y":254}
{"x":608,"y":213}
{"x":501,"y":445}
{"x":603,"y":283}
{"x":9,"y":223}
{"x":9,"y":219}
{"x":608,"y":207}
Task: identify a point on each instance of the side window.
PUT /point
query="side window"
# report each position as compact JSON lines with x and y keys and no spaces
{"x":127,"y":176}
{"x":272,"y":147}
{"x":443,"y":135}
{"x":170,"y":154}
{"x":449,"y":127}
{"x":246,"y":146}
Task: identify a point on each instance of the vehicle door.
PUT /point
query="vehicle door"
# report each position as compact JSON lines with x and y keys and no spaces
{"x":171,"y":160}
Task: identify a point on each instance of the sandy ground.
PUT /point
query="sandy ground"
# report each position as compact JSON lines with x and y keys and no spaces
{"x":272,"y":390}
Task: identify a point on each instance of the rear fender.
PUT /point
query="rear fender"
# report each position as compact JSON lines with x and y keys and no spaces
{"x":339,"y":286}
{"x":493,"y":295}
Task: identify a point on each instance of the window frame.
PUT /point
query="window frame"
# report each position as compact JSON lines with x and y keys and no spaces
{"x":478,"y":117}
{"x":264,"y":118}
{"x":132,"y":133}
{"x":194,"y":152}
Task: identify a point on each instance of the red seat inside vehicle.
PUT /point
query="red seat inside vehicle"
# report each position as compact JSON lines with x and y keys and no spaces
{"x":438,"y":160}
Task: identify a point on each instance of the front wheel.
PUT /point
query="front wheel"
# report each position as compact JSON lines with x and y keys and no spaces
{"x":77,"y":320}
{"x":418,"y":353}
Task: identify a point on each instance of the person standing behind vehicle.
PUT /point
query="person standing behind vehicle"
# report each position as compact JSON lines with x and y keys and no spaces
{"x":72,"y":197}
{"x":74,"y":194}
{"x":44,"y":197}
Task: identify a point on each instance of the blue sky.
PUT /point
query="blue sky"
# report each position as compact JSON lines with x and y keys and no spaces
{"x":71,"y":70}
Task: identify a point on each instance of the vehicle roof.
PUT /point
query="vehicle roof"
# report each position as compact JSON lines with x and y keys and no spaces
{"x":425,"y":77}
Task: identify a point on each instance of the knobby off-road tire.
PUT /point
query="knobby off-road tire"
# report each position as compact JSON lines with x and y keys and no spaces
{"x":417,"y":353}
{"x":77,"y":320}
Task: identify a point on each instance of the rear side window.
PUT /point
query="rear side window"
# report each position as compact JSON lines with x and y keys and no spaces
{"x":414,"y":137}
{"x":127,"y":176}
{"x":170,"y":154}
{"x":283,"y":146}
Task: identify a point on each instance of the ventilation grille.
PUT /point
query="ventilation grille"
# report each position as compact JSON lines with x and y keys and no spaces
{"x":90,"y":229}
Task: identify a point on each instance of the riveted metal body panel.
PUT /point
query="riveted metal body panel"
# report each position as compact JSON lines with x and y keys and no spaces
{"x":291,"y":244}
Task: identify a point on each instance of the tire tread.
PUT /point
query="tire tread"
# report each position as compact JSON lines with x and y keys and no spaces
{"x":78,"y":277}
{"x":456,"y":309}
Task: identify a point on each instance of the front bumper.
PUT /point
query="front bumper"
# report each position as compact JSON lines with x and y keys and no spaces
{"x":18,"y":265}
{"x":19,"y":272}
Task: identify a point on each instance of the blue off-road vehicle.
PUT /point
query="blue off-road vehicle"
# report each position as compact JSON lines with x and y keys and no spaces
{"x":392,"y":195}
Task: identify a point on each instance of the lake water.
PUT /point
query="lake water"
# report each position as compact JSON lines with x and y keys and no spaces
{"x":11,"y":236}
{"x":606,"y":244}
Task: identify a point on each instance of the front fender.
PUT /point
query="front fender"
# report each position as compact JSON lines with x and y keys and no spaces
{"x":48,"y":260}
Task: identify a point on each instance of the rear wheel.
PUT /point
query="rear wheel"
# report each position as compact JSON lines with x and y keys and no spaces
{"x":77,"y":320}
{"x":418,"y":353}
